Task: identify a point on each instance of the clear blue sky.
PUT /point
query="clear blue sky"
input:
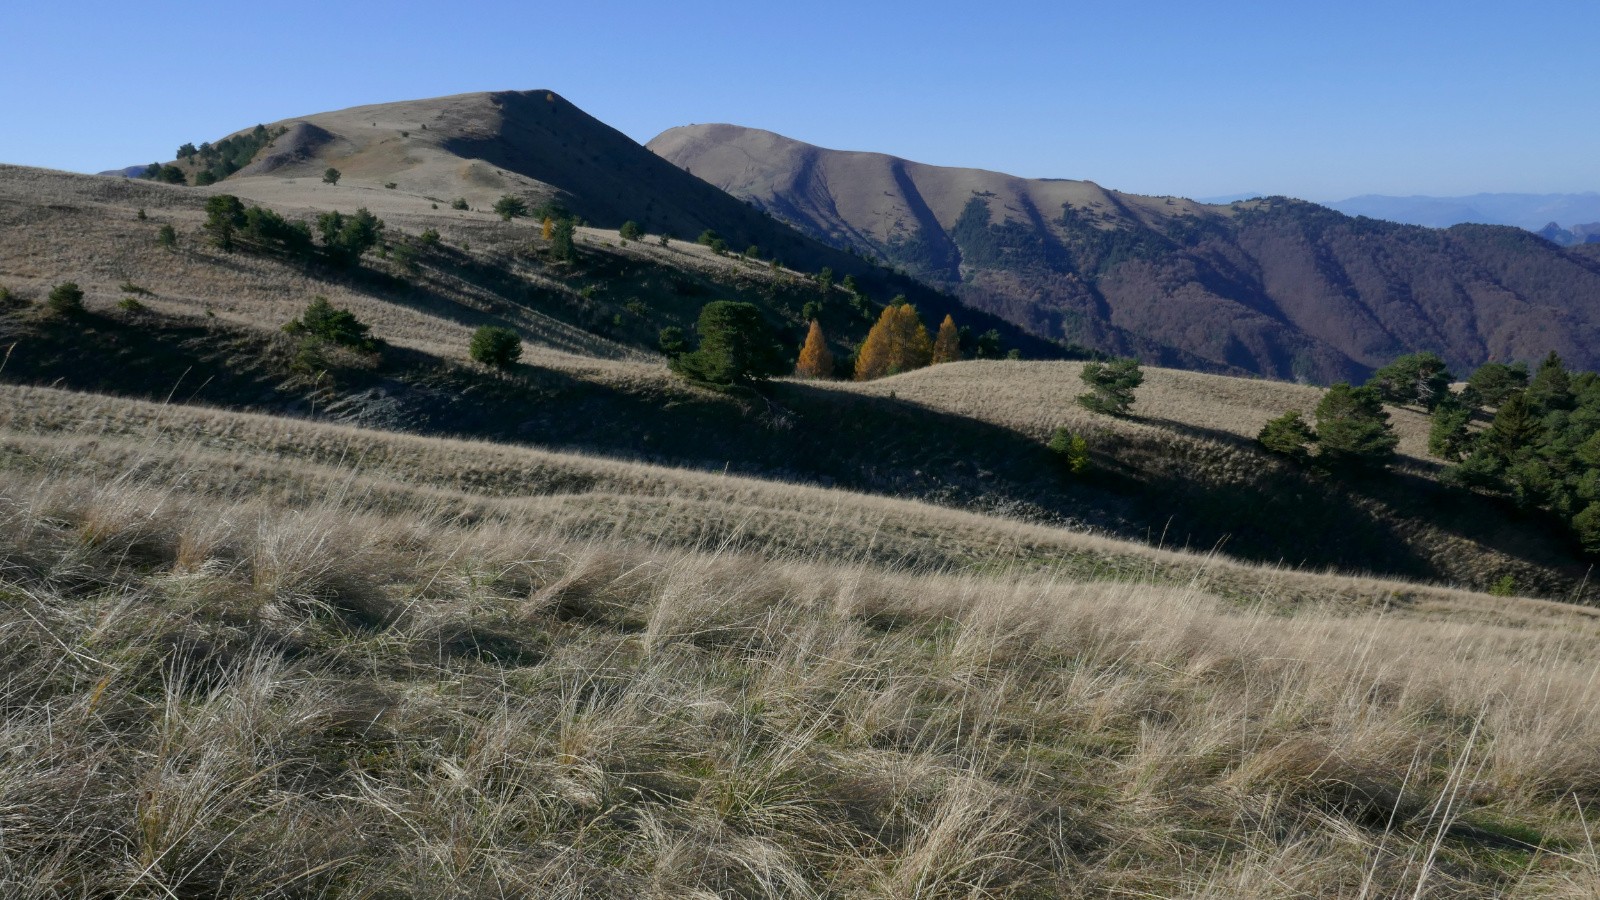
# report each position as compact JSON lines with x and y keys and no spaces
{"x":1320,"y":101}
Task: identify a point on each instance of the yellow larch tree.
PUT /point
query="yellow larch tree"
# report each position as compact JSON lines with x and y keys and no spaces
{"x":815,"y":359}
{"x":548,"y":228}
{"x":897,"y":343}
{"x":947,"y":346}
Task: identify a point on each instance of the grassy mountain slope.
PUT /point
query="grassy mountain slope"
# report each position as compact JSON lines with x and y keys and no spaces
{"x":255,"y":657}
{"x":534,"y":144}
{"x":283,"y":620}
{"x":1277,"y":287}
{"x":969,"y":436}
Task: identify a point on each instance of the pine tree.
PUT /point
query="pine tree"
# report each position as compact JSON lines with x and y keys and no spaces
{"x":815,"y":359}
{"x":224,"y":216}
{"x":1110,"y":386}
{"x":897,"y":343}
{"x":510,"y":206}
{"x":562,"y":243}
{"x":1516,"y":428}
{"x":1287,"y":435}
{"x":735,"y":347}
{"x":1071,"y":449}
{"x":947,"y":346}
{"x":1420,"y":378}
{"x":1352,"y":428}
{"x":1448,"y":433}
{"x":1551,"y":387}
{"x":495,"y":346}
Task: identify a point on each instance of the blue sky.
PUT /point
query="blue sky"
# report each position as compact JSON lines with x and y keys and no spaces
{"x":1320,"y":101}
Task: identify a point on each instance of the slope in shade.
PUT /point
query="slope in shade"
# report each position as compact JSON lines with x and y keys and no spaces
{"x":1273,"y":286}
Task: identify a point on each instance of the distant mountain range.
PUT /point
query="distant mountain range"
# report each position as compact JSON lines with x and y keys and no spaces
{"x":1279,"y":287}
{"x":1534,"y":212}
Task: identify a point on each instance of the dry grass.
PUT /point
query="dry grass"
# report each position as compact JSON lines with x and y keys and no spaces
{"x":237,"y":455}
{"x":59,"y":226}
{"x":207,"y":697}
{"x":1037,"y":397}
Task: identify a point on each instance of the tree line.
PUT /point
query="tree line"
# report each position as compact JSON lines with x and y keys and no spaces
{"x":1531,"y":437}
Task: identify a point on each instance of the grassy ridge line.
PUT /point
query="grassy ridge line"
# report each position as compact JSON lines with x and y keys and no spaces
{"x":1036,"y":397}
{"x":258,"y":702}
{"x":235,"y":455}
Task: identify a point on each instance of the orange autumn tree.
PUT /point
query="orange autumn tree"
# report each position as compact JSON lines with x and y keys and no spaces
{"x":815,"y":360}
{"x":897,"y":343}
{"x":947,"y":346}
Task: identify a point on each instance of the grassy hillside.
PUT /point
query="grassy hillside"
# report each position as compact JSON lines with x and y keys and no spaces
{"x":417,"y":160}
{"x":234,"y":671}
{"x":204,"y":327}
{"x":281,"y":618}
{"x":1277,"y":287}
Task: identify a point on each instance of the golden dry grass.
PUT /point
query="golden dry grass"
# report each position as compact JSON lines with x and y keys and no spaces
{"x":238,"y":455}
{"x":215,"y":695}
{"x":1037,"y":397}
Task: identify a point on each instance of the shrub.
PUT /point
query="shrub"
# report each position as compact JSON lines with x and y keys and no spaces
{"x":672,"y":342}
{"x":510,"y":207}
{"x":429,"y":238}
{"x":65,"y":299}
{"x":131,"y":304}
{"x":324,"y":321}
{"x":736,"y":347}
{"x":496,"y":346}
{"x":270,"y":231}
{"x":167,"y":174}
{"x":224,"y":217}
{"x":390,"y":185}
{"x":9,"y":298}
{"x":1111,"y":386}
{"x":630,"y":231}
{"x":346,"y":238}
{"x":167,"y":236}
{"x":331,"y":176}
{"x":1071,"y":449}
{"x":1287,"y":435}
{"x":459,"y":203}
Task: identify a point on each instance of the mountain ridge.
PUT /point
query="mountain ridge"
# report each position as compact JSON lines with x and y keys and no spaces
{"x":1274,"y":286}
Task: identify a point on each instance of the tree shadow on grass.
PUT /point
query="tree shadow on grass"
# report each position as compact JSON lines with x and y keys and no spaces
{"x":794,"y":432}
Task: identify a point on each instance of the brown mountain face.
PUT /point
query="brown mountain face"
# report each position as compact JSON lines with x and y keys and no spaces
{"x":1279,"y":287}
{"x":414,"y":157}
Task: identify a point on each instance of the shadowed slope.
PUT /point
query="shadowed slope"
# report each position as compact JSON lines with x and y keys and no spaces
{"x":414,"y":159}
{"x":1279,"y":287}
